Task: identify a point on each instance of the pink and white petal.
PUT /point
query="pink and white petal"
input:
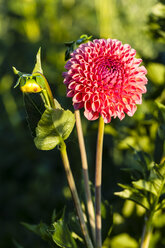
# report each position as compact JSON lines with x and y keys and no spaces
{"x":132,"y":111}
{"x":77,"y":97}
{"x":95,"y":106}
{"x":90,"y":115}
{"x":106,"y":116}
{"x":72,"y":85}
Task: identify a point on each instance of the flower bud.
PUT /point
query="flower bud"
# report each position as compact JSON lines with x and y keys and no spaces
{"x":31,"y":87}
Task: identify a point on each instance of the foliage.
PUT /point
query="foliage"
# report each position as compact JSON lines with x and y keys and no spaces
{"x":148,"y":192}
{"x":33,"y":182}
{"x":157,"y":20}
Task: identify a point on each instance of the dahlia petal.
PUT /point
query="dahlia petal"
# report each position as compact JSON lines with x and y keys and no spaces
{"x":121,"y":115}
{"x":68,"y":64}
{"x":77,"y":98}
{"x":132,"y":111}
{"x":76,"y":76}
{"x":64,"y":74}
{"x":78,"y":105}
{"x":106,"y":116}
{"x":70,"y":93}
{"x":88,"y":106}
{"x":79,"y":87}
{"x":72,"y":85}
{"x":95,"y":106}
{"x":86,"y":97}
{"x":90,"y":115}
{"x":75,"y":66}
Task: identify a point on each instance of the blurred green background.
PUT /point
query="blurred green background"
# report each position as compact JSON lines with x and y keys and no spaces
{"x":32,"y":182}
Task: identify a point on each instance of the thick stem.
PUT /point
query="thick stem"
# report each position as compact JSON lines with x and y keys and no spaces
{"x":98,"y":178}
{"x":147,"y":232}
{"x":90,"y":207}
{"x":74,"y":193}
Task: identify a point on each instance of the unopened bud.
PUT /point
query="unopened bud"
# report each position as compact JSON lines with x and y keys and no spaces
{"x":31,"y":87}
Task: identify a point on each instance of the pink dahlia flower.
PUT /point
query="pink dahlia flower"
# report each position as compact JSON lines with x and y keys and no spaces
{"x":105,"y":78}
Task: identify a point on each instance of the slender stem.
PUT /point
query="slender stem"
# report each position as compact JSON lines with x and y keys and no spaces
{"x":46,"y":87}
{"x":74,"y":193}
{"x":45,"y":97}
{"x":147,"y":232}
{"x":90,"y":207}
{"x":98,"y":177}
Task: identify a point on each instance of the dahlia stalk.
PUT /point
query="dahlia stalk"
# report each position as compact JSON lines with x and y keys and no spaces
{"x":90,"y":207}
{"x":74,"y":193}
{"x":98,"y":179}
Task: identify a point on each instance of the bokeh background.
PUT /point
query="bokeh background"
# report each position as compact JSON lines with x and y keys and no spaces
{"x":32,"y":182}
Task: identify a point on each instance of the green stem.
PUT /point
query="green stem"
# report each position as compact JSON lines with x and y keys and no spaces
{"x":74,"y":193}
{"x":90,"y":207}
{"x":147,"y":232}
{"x":47,"y":88}
{"x":45,"y":97}
{"x":98,"y":178}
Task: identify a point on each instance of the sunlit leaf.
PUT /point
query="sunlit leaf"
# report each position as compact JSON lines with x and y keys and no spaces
{"x":37,"y":67}
{"x":62,"y":236}
{"x":133,"y":195}
{"x":161,"y":169}
{"x":147,"y":186}
{"x":55,"y":124}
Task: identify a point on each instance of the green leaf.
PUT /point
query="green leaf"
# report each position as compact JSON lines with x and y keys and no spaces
{"x":40,"y":229}
{"x":161,"y":108}
{"x":161,"y":132}
{"x":63,"y":121}
{"x":72,"y":45}
{"x":134,"y":196}
{"x":144,"y":162}
{"x":161,"y":205}
{"x":74,"y":225}
{"x":37,"y":67}
{"x":149,"y":186}
{"x":69,"y":50}
{"x":161,"y":169}
{"x":83,"y":39}
{"x":17,"y":72}
{"x":47,"y":137}
{"x":57,"y":105}
{"x":62,"y":236}
{"x":40,"y":80}
{"x":55,"y":124}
